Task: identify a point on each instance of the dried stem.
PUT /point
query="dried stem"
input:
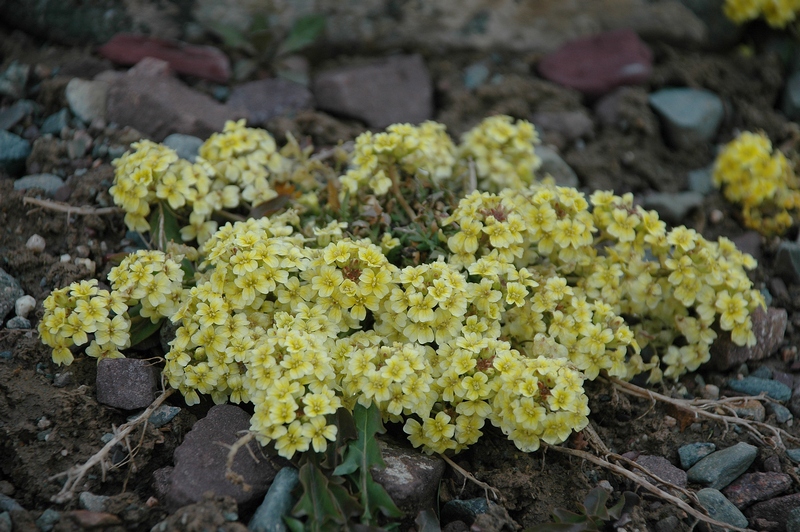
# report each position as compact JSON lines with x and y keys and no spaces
{"x":70,"y":209}
{"x":467,"y":475}
{"x":76,"y":473}
{"x":399,"y":195}
{"x":233,"y":449}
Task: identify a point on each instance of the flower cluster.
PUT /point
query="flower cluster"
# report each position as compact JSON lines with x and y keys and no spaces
{"x":146,"y":284}
{"x":777,"y":13}
{"x":425,"y":150}
{"x":761,"y":180}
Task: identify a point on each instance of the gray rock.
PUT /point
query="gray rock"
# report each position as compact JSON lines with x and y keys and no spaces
{"x":776,"y":510}
{"x":753,"y":487}
{"x":790,"y":104}
{"x":126,"y":383}
{"x":720,"y":508}
{"x":14,"y":150}
{"x":755,"y":386}
{"x":18,"y":322}
{"x":47,"y":521}
{"x":10,"y":291}
{"x":62,"y":380}
{"x":56,"y":122}
{"x":555,"y":166}
{"x":410,"y":478}
{"x":663,"y":469}
{"x":752,"y":409}
{"x":396,"y":89}
{"x":768,"y":328}
{"x":720,"y":468}
{"x":163,"y":415}
{"x":265,"y":99}
{"x":14,"y":80}
{"x":7,"y":504}
{"x":11,"y":116}
{"x":186,"y":146}
{"x":47,"y":183}
{"x":476,"y":75}
{"x":749,"y":242}
{"x":668,"y":524}
{"x":464,"y":510}
{"x":673,"y":207}
{"x":571,"y":125}
{"x":201,"y":459}
{"x":721,"y":32}
{"x":277,"y":503}
{"x":93,"y":503}
{"x":782,"y":414}
{"x":793,"y":521}
{"x":87,"y":98}
{"x":787,"y":261}
{"x":793,"y":454}
{"x":5,"y":522}
{"x":700,"y":181}
{"x":690,"y":116}
{"x":158,"y":104}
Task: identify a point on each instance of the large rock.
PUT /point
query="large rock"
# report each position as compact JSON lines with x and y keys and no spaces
{"x":754,"y":487}
{"x":410,"y":478}
{"x":265,"y":99}
{"x":720,"y":468}
{"x":127,"y":383}
{"x":10,"y":291}
{"x":200,"y":461}
{"x":768,"y":327}
{"x":148,"y":99}
{"x":690,"y":116}
{"x":87,"y":99}
{"x":395,"y":89}
{"x":776,"y":510}
{"x":205,"y":62}
{"x":599,"y":64}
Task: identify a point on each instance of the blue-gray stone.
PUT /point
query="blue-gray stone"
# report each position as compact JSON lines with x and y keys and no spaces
{"x":555,"y":166}
{"x":464,"y":510}
{"x":277,"y":502}
{"x":13,"y":152}
{"x":5,"y":522}
{"x":721,"y":33}
{"x":7,"y":504}
{"x":767,"y":296}
{"x":56,"y":122}
{"x":691,"y":453}
{"x":754,"y":386}
{"x":690,"y":116}
{"x":782,"y":414}
{"x":475,"y":75}
{"x":10,"y":291}
{"x":48,"y":520}
{"x":48,"y":183}
{"x":700,"y":181}
{"x":93,"y":503}
{"x":793,"y":521}
{"x":18,"y":322}
{"x":115,"y":152}
{"x":790,"y":105}
{"x":787,"y":261}
{"x":720,"y":508}
{"x":14,"y":79}
{"x":160,"y":416}
{"x":673,"y":206}
{"x":762,"y":372}
{"x":720,"y":468}
{"x":793,"y":454}
{"x":13,"y":115}
{"x":6,"y":355}
{"x":187,"y":146}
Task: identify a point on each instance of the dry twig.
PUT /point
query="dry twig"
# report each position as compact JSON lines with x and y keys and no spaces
{"x":467,"y":475}
{"x":70,"y":209}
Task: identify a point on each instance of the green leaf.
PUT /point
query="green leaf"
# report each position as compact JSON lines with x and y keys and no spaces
{"x":427,"y":521}
{"x":565,"y":516}
{"x":346,"y":432}
{"x":305,"y":31}
{"x":293,"y":524}
{"x":624,"y":505}
{"x":142,"y":329}
{"x":595,"y":503}
{"x":164,"y":227}
{"x":326,"y":504}
{"x":231,"y":36}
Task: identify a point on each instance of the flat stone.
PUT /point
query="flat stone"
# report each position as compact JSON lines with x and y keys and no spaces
{"x":777,"y":509}
{"x":47,"y":183}
{"x":159,"y":105}
{"x":753,"y":487}
{"x":205,"y":62}
{"x":571,"y":125}
{"x":755,"y":386}
{"x":10,"y":291}
{"x":752,"y":409}
{"x":597,"y":65}
{"x":11,"y":116}
{"x":782,"y":414}
{"x":690,"y":116}
{"x":47,"y":521}
{"x":794,"y":455}
{"x":410,"y":478}
{"x":277,"y":503}
{"x":93,"y":503}
{"x":700,"y":181}
{"x":720,"y":468}
{"x":673,"y":207}
{"x":87,"y":98}
{"x":787,"y":261}
{"x":186,"y":146}
{"x":464,"y":510}
{"x":265,"y":99}
{"x":768,"y":328}
{"x":692,"y":453}
{"x":200,"y":461}
{"x":720,"y":508}
{"x":555,"y":166}
{"x":14,"y":150}
{"x":126,"y":383}
{"x":55,"y":123}
{"x":395,"y":89}
{"x":663,"y":468}
{"x":18,"y":322}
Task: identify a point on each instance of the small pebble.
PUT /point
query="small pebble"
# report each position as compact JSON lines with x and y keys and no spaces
{"x":86,"y":263}
{"x":24,"y":305}
{"x":18,"y":322}
{"x":716,"y":216}
{"x":709,"y":391}
{"x":62,"y":379}
{"x":35,"y":243}
{"x":65,"y":257}
{"x":82,"y":251}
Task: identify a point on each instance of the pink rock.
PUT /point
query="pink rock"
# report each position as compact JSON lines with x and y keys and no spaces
{"x":204,"y":62}
{"x":596,"y":65}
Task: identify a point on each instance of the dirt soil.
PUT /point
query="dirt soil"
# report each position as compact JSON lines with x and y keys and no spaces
{"x":50,"y":419}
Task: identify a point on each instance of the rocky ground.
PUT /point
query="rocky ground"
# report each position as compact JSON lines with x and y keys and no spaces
{"x":652,"y":130}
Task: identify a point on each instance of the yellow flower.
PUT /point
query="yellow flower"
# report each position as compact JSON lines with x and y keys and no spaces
{"x":319,"y":433}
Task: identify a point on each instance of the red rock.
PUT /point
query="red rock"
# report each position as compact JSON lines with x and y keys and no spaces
{"x":754,"y":487}
{"x":769,"y":328}
{"x":204,"y":62}
{"x":596,"y":65}
{"x":87,"y":519}
{"x":776,"y":510}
